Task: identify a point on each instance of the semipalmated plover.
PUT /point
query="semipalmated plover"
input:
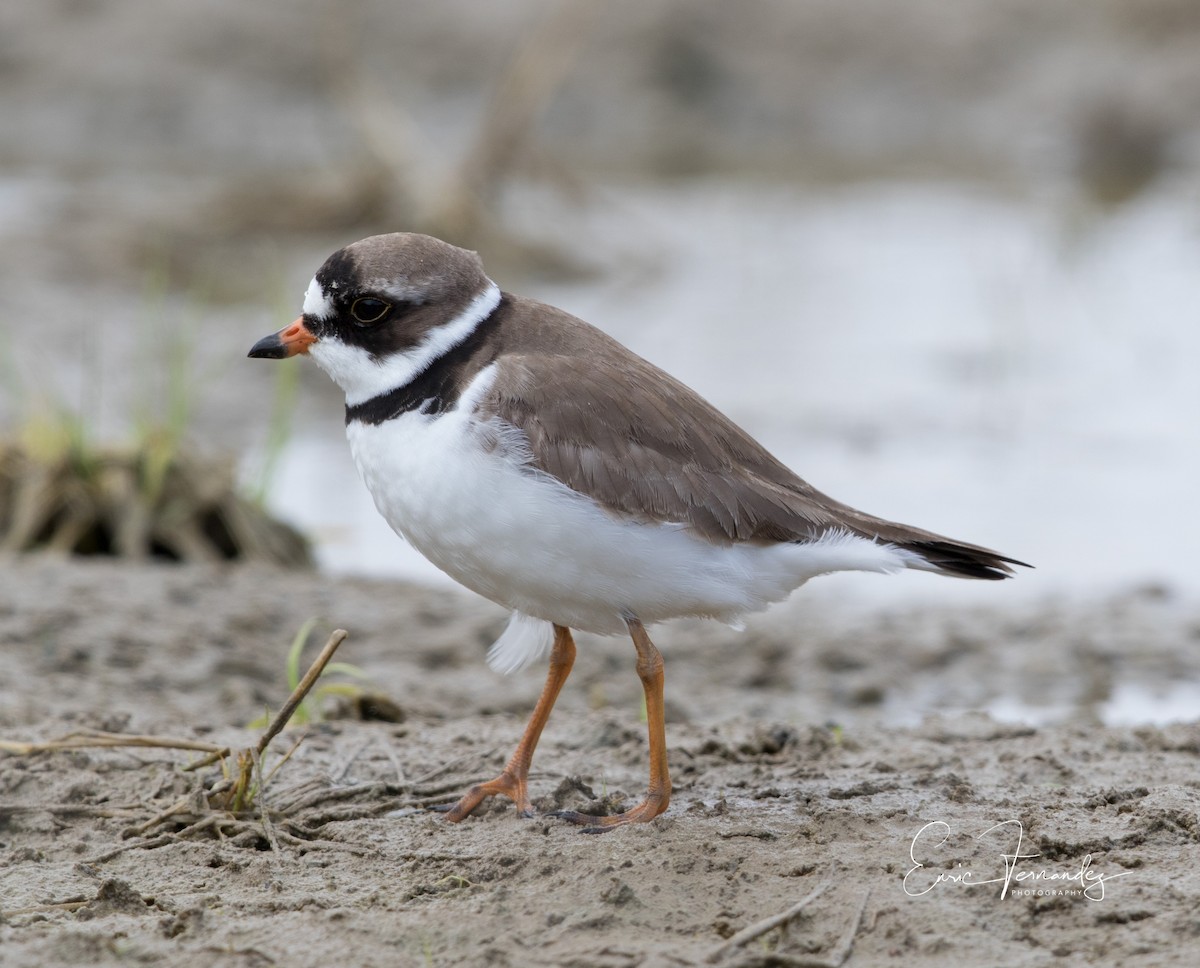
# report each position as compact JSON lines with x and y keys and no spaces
{"x":540,"y":463}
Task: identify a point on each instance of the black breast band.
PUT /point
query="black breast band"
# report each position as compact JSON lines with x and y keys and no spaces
{"x":436,"y":388}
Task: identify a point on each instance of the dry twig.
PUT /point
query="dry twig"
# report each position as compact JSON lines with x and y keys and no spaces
{"x":98,"y":739}
{"x":835,"y":958}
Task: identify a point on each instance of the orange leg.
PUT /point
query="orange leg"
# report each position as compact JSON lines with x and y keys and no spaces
{"x":650,"y":671}
{"x":512,"y":782}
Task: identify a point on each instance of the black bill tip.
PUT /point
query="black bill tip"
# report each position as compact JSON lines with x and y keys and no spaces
{"x":269,"y":348}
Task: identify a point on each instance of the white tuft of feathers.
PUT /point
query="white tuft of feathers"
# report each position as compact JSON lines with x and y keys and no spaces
{"x":525,"y":639}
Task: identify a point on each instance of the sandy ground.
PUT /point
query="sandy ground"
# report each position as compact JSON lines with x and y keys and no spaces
{"x":791,"y":777}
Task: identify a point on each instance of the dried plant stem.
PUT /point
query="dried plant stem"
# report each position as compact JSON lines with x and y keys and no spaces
{"x":85,"y":739}
{"x":301,"y":690}
{"x":836,"y":957}
{"x":243,"y":792}
{"x":522,"y":94}
{"x":759,"y":928}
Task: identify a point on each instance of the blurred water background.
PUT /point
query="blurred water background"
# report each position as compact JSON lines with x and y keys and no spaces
{"x":941,"y":258}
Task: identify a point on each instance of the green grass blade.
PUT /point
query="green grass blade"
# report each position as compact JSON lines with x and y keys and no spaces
{"x":296,"y":650}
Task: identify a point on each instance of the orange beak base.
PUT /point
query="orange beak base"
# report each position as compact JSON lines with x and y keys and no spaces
{"x":289,"y":341}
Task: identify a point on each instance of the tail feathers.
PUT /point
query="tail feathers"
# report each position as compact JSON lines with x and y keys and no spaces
{"x":959,"y":560}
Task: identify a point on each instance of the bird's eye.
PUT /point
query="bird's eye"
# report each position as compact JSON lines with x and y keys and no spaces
{"x":368,"y":310}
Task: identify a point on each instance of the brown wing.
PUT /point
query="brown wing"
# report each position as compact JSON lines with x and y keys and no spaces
{"x":616,"y":428}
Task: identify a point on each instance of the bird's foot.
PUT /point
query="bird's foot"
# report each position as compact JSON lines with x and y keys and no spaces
{"x":644,"y":812}
{"x":507,"y":784}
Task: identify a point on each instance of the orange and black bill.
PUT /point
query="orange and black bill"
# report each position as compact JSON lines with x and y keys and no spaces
{"x":289,"y":341}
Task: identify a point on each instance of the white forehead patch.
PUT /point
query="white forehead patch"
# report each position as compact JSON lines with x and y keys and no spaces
{"x":316,"y":303}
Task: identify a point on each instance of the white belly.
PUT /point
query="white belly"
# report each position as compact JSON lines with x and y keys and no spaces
{"x":526,"y":541}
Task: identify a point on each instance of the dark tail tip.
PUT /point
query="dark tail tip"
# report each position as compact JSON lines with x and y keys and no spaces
{"x":966,"y":561}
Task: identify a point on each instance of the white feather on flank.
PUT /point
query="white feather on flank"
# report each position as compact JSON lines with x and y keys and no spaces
{"x":363,"y":378}
{"x":525,"y":640}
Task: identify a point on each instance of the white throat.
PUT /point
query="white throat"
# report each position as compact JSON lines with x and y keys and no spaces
{"x":363,"y":378}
